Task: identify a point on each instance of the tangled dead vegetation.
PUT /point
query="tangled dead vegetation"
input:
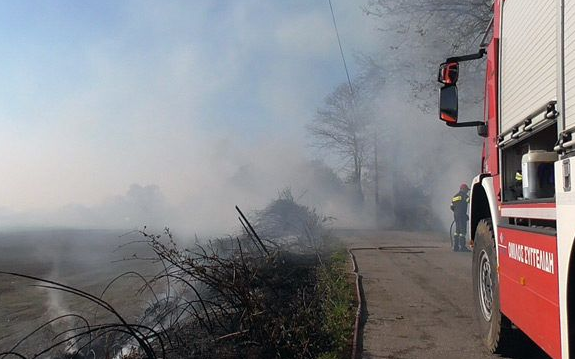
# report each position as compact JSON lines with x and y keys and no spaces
{"x":237,"y":297}
{"x":291,"y":225}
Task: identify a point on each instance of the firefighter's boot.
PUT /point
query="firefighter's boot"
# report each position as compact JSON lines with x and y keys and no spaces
{"x":456,"y":243}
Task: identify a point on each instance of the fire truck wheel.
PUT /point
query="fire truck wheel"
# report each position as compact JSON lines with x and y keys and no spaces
{"x":493,"y":325}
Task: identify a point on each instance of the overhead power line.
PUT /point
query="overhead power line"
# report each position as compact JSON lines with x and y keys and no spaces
{"x":340,"y":47}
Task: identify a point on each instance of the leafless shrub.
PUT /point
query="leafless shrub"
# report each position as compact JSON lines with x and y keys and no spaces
{"x":288,"y":223}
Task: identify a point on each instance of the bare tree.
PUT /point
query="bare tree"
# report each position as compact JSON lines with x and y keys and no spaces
{"x":341,"y":127}
{"x":420,"y":33}
{"x":460,"y":22}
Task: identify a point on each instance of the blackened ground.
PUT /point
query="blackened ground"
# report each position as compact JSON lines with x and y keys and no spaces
{"x":85,"y":259}
{"x":419,"y":299}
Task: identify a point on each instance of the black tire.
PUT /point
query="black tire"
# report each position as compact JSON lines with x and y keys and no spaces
{"x":494,"y":327}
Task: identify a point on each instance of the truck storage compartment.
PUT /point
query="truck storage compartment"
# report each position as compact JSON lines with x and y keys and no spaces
{"x":527,"y":167}
{"x":538,"y":179}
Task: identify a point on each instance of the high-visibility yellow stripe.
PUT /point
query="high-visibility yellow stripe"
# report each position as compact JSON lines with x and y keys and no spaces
{"x":456,"y":199}
{"x":518,"y":177}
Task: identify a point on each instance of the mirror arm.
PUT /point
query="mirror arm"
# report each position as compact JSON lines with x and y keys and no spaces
{"x":471,"y":57}
{"x":466,"y":124}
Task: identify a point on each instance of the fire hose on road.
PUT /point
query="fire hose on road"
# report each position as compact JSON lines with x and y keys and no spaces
{"x":356,"y":332}
{"x":356,"y":347}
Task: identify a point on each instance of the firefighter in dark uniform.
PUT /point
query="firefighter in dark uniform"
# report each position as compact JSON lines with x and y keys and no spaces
{"x":459,"y":204}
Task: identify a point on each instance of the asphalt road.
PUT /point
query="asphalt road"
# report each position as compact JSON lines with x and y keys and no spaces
{"x":418,"y":299}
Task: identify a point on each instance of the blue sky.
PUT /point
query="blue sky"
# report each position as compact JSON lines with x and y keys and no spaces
{"x":97,"y":95}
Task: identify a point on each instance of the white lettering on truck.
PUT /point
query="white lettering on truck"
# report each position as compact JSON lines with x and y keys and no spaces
{"x":533,"y":257}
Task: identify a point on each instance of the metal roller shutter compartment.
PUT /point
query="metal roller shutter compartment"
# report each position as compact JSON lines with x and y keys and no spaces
{"x":528,"y":58}
{"x":569,"y":63}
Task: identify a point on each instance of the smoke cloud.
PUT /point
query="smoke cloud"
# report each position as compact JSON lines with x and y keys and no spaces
{"x":172,"y":114}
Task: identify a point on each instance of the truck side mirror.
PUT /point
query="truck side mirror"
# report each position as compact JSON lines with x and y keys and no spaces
{"x":448,"y":103}
{"x":448,"y":73}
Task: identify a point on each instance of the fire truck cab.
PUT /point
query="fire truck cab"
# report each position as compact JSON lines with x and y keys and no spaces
{"x":522,"y":207}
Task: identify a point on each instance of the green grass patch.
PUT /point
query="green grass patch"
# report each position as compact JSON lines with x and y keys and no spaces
{"x":337,"y":304}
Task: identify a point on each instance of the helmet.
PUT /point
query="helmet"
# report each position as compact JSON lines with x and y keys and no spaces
{"x":464,"y":187}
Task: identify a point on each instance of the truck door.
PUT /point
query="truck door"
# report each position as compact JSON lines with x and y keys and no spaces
{"x":564,"y":185}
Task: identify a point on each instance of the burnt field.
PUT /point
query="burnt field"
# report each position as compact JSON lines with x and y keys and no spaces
{"x":84,"y":259}
{"x":106,"y":294}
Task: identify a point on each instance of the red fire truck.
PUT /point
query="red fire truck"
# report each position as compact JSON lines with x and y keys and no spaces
{"x":522,"y":208}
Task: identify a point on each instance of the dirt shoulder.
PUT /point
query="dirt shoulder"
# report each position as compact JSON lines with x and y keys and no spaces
{"x":418,"y":298}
